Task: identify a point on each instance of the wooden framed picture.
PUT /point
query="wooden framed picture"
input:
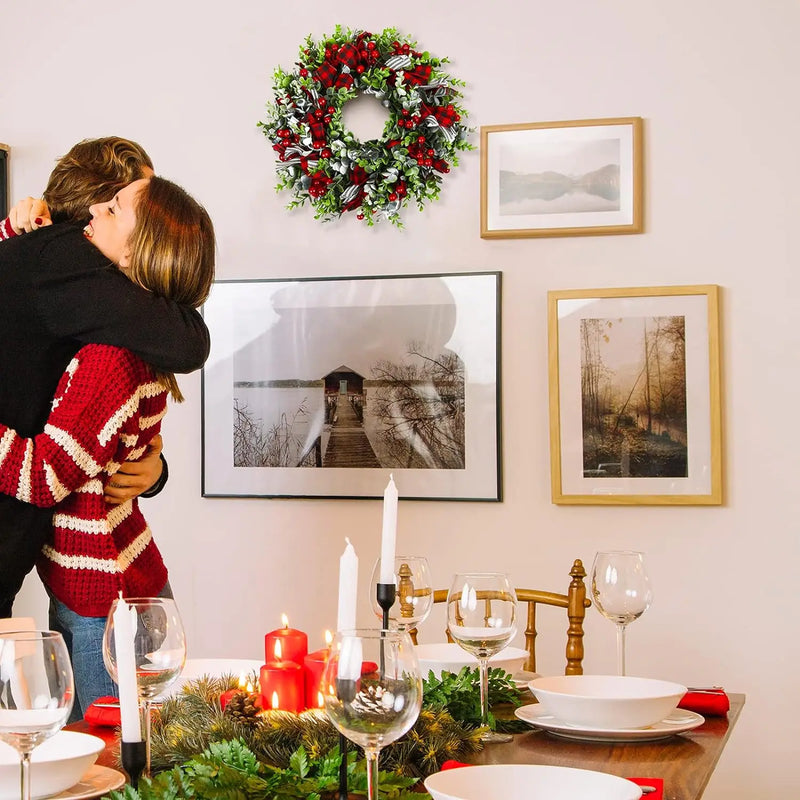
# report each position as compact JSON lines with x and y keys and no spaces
{"x":574,"y":178}
{"x":635,"y":396}
{"x":319,"y":387}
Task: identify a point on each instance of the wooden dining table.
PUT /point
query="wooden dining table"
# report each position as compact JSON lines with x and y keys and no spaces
{"x":685,"y":762}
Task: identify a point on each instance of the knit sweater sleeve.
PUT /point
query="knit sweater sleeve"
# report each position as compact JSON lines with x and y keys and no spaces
{"x":96,"y":423}
{"x":6,"y":231}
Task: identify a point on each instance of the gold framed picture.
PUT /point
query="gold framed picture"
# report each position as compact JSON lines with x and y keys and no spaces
{"x":635,"y":396}
{"x":573,"y":178}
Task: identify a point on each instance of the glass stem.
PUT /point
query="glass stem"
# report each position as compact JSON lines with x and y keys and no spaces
{"x":483,"y":667}
{"x":621,"y":649}
{"x":145,"y":711}
{"x":25,"y":775}
{"x":371,"y":754}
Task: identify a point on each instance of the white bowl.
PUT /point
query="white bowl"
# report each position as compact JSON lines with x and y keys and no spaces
{"x":450,"y":657}
{"x":528,"y":782}
{"x":607,"y":701}
{"x":56,"y":764}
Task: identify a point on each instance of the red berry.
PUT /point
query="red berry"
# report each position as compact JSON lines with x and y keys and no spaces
{"x":421,"y":139}
{"x":359,"y":216}
{"x":371,"y":45}
{"x":327,"y":118}
{"x":406,"y":49}
{"x":321,"y":102}
{"x":303,"y":73}
{"x":331,"y":110}
{"x":405,"y":112}
{"x":319,"y":113}
{"x":360,"y":69}
{"x":392,"y":197}
{"x":430,"y":151}
{"x":457,"y":117}
{"x":326,"y":153}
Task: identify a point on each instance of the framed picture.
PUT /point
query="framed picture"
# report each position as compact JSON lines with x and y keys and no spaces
{"x":321,"y":387}
{"x":635,"y":396}
{"x":3,"y":180}
{"x":576,"y":178}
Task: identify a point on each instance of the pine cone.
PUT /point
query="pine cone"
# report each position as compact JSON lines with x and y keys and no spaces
{"x":244,"y":708}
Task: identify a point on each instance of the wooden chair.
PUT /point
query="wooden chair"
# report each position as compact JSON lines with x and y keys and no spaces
{"x":574,"y":601}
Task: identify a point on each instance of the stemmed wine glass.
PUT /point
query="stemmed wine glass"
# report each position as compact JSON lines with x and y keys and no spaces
{"x":414,"y":592}
{"x":159,"y":645}
{"x":36,"y":693}
{"x":372,"y":688}
{"x":481,"y":617}
{"x":621,"y":592}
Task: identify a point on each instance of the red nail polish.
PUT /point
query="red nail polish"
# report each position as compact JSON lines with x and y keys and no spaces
{"x":38,"y":220}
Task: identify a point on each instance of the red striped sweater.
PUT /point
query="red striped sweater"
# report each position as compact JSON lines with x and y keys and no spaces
{"x":107,"y":409}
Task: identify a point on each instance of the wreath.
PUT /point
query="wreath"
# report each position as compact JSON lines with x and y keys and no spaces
{"x":321,"y":161}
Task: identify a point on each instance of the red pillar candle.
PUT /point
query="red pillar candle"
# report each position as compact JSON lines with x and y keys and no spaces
{"x":314,"y":666}
{"x":282,"y":686}
{"x":285,"y":644}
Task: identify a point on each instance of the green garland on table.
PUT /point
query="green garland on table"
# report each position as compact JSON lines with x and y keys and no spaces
{"x":322,"y":162}
{"x":201,"y":752}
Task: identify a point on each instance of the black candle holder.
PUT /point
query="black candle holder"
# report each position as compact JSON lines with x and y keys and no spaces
{"x":134,"y":758}
{"x":343,"y":767}
{"x":386,"y":593}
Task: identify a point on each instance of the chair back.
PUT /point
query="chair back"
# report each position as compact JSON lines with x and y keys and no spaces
{"x":574,"y":601}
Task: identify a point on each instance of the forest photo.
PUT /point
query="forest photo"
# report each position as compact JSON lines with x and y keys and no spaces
{"x":633,"y":397}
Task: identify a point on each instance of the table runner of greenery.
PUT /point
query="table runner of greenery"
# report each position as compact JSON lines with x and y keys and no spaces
{"x":200,"y":751}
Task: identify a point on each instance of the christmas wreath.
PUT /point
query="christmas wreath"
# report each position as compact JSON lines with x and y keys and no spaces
{"x":321,"y":161}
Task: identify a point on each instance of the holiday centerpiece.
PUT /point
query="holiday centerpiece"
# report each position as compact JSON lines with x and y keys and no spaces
{"x":321,"y":161}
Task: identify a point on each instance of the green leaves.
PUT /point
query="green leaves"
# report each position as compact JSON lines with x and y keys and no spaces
{"x":230,"y":771}
{"x":460,"y":694}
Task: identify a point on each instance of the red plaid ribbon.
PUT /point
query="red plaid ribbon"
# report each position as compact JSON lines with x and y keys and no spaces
{"x":358,"y":177}
{"x":420,"y":74}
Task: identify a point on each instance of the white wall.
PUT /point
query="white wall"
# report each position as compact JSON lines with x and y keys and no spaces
{"x":716,"y":83}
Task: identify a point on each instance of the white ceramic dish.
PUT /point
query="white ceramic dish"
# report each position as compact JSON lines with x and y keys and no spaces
{"x":528,"y":782}
{"x":97,"y":782}
{"x":450,"y":657}
{"x":679,"y":721}
{"x":56,"y":764}
{"x":607,"y":702}
{"x":196,"y":668}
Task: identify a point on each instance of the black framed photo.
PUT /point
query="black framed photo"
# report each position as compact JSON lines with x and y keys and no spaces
{"x":3,"y":180}
{"x":319,"y":387}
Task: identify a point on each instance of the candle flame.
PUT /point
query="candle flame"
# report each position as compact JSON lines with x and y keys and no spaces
{"x":320,"y":700}
{"x":242,"y":680}
{"x":285,"y":620}
{"x":275,"y":700}
{"x":249,"y":688}
{"x":328,"y":638}
{"x":278,"y":651}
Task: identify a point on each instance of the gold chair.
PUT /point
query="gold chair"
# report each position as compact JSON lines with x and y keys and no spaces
{"x":576,"y":603}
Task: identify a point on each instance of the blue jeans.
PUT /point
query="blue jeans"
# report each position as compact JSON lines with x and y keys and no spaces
{"x":84,"y":638}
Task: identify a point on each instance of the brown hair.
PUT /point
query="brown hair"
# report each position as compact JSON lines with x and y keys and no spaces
{"x":172,"y":249}
{"x":94,"y":170}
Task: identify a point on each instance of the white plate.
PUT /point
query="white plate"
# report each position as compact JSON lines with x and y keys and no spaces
{"x":95,"y":783}
{"x":451,"y":657}
{"x":679,"y":721}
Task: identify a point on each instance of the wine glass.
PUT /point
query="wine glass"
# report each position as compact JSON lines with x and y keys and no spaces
{"x":372,"y":688}
{"x":414,"y":592}
{"x":621,"y":592}
{"x":36,"y":693}
{"x":481,"y":617}
{"x":159,"y":646}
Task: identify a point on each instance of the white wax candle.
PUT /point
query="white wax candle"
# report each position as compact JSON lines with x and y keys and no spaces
{"x":348,"y":587}
{"x":124,"y":621}
{"x":389,"y":533}
{"x":350,"y":659}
